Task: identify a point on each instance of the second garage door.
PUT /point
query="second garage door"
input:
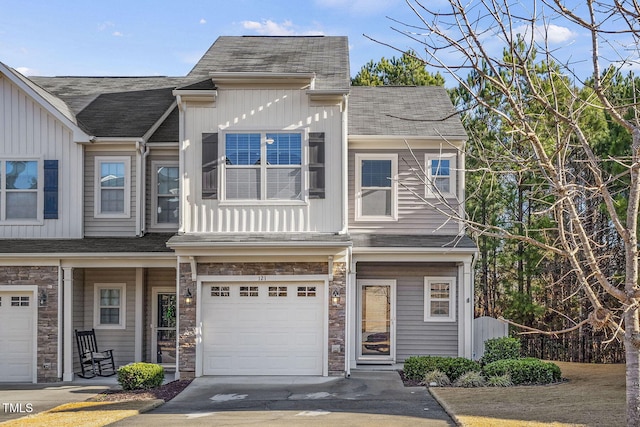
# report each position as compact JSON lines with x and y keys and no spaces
{"x":16,"y":336}
{"x":263,"y":329}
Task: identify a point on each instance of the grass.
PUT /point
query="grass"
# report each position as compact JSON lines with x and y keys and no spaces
{"x":594,"y":395}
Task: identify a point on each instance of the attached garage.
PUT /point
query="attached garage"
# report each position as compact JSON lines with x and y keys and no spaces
{"x":17,"y":320}
{"x":263,"y":328}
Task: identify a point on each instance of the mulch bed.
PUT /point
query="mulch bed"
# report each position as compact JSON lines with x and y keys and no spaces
{"x":165,"y":392}
{"x":409,"y":382}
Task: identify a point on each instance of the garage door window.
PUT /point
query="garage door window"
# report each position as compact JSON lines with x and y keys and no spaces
{"x":277,"y":291}
{"x":19,"y":301}
{"x":248,"y":291}
{"x":306,"y":291}
{"x":220,"y":291}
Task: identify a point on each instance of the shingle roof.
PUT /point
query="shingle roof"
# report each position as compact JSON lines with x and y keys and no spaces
{"x":328,"y":57}
{"x":150,"y":243}
{"x":169,"y":130}
{"x":403,"y":111}
{"x":411,"y":241}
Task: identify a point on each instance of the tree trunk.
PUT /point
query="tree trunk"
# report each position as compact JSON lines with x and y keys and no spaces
{"x":632,"y":354}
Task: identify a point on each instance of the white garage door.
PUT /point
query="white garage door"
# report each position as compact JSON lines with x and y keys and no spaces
{"x":16,"y":336}
{"x":263,"y":329}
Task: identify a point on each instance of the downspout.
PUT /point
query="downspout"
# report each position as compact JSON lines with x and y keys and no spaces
{"x":181,"y":135}
{"x":142,"y":151}
{"x":347,"y":312}
{"x":345,"y":164}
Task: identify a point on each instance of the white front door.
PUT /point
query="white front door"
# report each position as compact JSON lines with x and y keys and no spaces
{"x":163,"y":336}
{"x":17,"y":317}
{"x":376,"y":321}
{"x":263,"y":328}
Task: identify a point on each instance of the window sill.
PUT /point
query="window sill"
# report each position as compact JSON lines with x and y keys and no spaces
{"x":109,"y":327}
{"x":376,"y":219}
{"x":22,"y":222}
{"x":439,"y":320}
{"x":260,"y":203}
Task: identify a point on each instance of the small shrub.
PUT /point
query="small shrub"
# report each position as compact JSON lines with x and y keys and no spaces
{"x":524,"y":371}
{"x":436,"y":379}
{"x":137,"y":376}
{"x":470,"y":379}
{"x":416,"y":367}
{"x":499,"y":381}
{"x":500,"y":349}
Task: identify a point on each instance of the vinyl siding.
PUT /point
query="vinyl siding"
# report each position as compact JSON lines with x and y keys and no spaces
{"x":262,"y":110}
{"x":414,"y":215}
{"x":122,"y":341}
{"x":414,"y":336}
{"x":96,"y":227}
{"x":27,"y":130}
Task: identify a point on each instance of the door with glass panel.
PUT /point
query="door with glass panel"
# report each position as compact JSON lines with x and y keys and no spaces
{"x":163,"y":337}
{"x":376,"y":321}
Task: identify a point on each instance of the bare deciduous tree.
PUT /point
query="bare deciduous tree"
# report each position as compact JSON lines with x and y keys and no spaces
{"x":502,"y":54}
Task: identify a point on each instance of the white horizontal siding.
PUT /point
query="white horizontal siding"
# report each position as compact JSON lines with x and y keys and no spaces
{"x":27,"y":129}
{"x":261,"y":109}
{"x":414,"y":215}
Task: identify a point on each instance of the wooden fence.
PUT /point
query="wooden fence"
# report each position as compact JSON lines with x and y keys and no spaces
{"x":584,"y":347}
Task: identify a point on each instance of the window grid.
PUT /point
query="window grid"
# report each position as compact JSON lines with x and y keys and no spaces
{"x":248,"y":291}
{"x":20,"y":301}
{"x":376,"y":188}
{"x":441,"y":178}
{"x":306,"y":291}
{"x":439,"y":295}
{"x":112,"y":192}
{"x":220,"y":291}
{"x":277,"y":291}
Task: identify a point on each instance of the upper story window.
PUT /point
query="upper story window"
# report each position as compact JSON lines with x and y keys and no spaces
{"x":112,"y":187}
{"x":376,"y":187}
{"x":441,"y":175}
{"x":439,"y":299}
{"x":20,"y":190}
{"x":166,"y":197}
{"x":263,"y":166}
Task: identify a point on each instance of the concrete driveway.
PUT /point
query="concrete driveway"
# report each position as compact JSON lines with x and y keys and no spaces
{"x":365,"y":399}
{"x":19,"y":400}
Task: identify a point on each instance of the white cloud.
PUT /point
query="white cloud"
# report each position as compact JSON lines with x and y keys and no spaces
{"x":203,"y":21}
{"x":105,"y":25}
{"x":270,"y":28}
{"x":553,"y":34}
{"x":117,"y":34}
{"x":26,"y":71}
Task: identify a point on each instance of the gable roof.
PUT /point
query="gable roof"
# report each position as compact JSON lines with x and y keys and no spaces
{"x":327,"y":57}
{"x":403,"y":111}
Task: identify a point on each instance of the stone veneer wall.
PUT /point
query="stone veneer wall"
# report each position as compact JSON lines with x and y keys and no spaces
{"x":46,"y":278}
{"x":187,"y":346}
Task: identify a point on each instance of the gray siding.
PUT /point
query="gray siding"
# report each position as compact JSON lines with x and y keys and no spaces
{"x":122,"y":341}
{"x":414,"y":216}
{"x":414,"y":336}
{"x":107,"y":226}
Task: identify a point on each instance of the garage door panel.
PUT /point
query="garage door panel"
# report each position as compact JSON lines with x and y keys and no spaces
{"x":16,"y":332}
{"x":277,"y":332}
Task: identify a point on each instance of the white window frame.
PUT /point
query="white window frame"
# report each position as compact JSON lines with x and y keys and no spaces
{"x":127,"y":187}
{"x":122,"y":324}
{"x":39,"y":219}
{"x":430,"y":189}
{"x":263,"y":200}
{"x":427,"y":299}
{"x":155,"y":165}
{"x":360,"y":216}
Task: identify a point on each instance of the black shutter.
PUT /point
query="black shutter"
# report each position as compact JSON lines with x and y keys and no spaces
{"x":50,"y":189}
{"x":316,"y":165}
{"x":209,"y":165}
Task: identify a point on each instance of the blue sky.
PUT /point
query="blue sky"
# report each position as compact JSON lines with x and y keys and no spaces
{"x":163,"y":37}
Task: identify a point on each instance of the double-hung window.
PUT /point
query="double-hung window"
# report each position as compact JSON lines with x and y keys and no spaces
{"x":112,"y":187}
{"x":109,"y":306}
{"x":263,"y":166}
{"x":376,"y":187}
{"x":441,"y":175}
{"x":20,"y":190}
{"x":166,"y":198}
{"x":439,"y":299}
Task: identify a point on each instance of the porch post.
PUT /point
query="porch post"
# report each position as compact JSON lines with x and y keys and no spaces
{"x":465,"y":310}
{"x":137,"y":355}
{"x":67,"y":310}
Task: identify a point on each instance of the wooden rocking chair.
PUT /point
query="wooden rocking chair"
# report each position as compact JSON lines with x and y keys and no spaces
{"x":93,"y":361}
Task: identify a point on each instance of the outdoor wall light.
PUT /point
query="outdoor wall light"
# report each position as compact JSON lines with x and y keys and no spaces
{"x":42,"y":298}
{"x":335,"y":296}
{"x":188,"y":298}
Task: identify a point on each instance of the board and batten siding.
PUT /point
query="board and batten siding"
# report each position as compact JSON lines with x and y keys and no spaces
{"x":27,"y":130}
{"x":414,"y":215}
{"x":122,"y":341}
{"x":243,"y":110}
{"x":113,"y":227}
{"x":414,"y":336}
